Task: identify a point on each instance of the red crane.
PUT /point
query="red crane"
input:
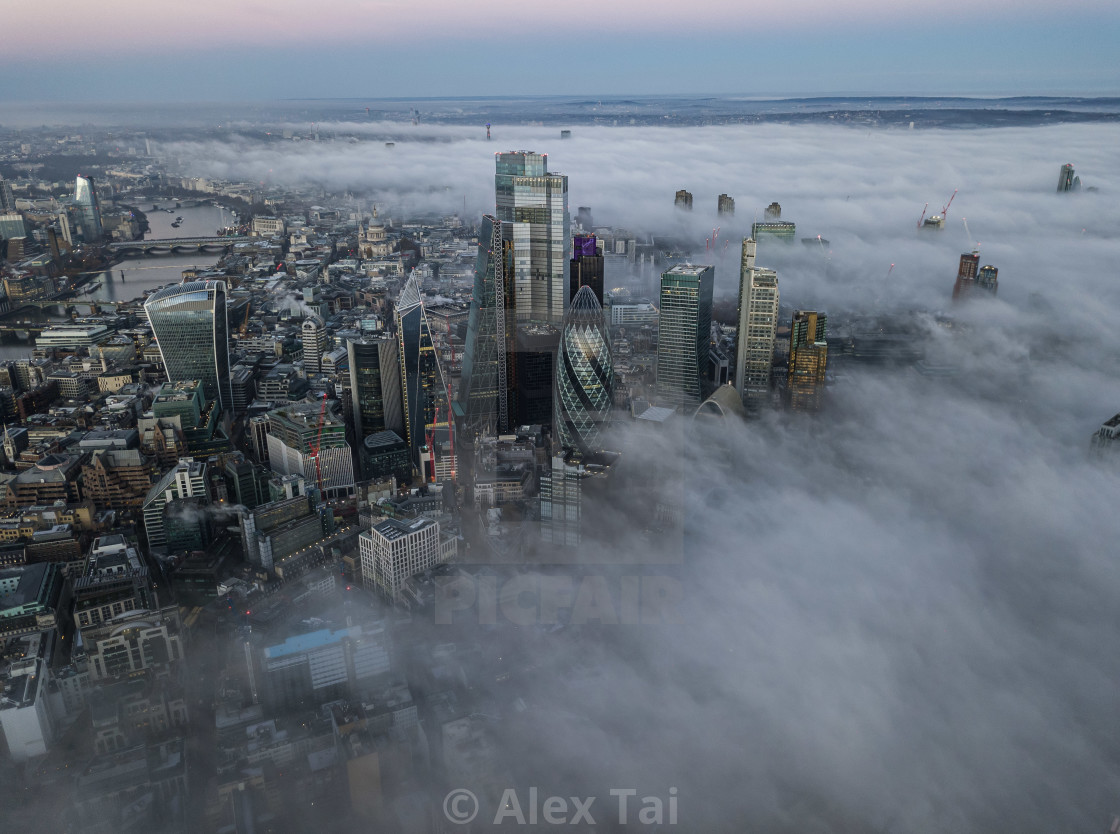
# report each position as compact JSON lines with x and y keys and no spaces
{"x":945,"y":211}
{"x":431,"y":438}
{"x":923,"y":217}
{"x":318,"y":445}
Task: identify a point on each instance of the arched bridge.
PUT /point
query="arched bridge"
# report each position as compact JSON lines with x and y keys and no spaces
{"x":174,"y":244}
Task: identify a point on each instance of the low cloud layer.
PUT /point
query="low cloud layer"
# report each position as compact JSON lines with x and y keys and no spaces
{"x":899,"y":615}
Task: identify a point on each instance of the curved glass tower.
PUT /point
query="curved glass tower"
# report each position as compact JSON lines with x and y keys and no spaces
{"x":89,"y":208}
{"x":189,"y":323}
{"x":584,"y":375}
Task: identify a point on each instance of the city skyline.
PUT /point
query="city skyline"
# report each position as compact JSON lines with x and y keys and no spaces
{"x":879,"y":598}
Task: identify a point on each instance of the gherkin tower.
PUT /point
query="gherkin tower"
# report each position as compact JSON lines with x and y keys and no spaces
{"x":584,"y":375}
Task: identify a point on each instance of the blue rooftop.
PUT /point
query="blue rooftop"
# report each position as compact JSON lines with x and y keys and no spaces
{"x":307,"y":642}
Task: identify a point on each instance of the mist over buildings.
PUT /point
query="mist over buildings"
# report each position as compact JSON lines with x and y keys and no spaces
{"x":899,"y":614}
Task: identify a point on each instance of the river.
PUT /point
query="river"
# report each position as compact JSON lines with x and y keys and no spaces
{"x":128,"y":279}
{"x":146,"y":273}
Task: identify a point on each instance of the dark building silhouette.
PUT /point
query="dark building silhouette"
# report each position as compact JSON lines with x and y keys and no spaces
{"x":586,"y":267}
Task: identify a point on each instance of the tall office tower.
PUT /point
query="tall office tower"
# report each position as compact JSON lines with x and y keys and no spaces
{"x":89,"y":209}
{"x":683,"y":200}
{"x":808,"y":360}
{"x":7,"y":199}
{"x":987,"y":279}
{"x":423,"y":389}
{"x":966,"y":275}
{"x":509,"y":166}
{"x":532,"y":206}
{"x":584,"y":376}
{"x":758,"y":325}
{"x":483,"y":391}
{"x":541,"y":231}
{"x":1066,"y":179}
{"x":314,"y":344}
{"x":560,"y":501}
{"x":586,"y":267}
{"x":375,"y":385}
{"x":684,"y":333}
{"x":301,"y":442}
{"x":774,"y":211}
{"x":189,"y":323}
{"x":725,"y":205}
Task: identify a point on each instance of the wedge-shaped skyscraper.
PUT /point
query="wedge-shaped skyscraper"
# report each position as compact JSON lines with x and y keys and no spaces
{"x":584,"y":375}
{"x":189,"y":323}
{"x":422,"y":385}
{"x":483,"y":393}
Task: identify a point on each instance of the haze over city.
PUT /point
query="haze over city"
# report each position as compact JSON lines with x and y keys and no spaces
{"x":422,"y":417}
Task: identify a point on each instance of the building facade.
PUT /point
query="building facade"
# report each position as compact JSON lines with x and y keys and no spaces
{"x":310,"y":440}
{"x":758,"y":326}
{"x":395,"y":550}
{"x":89,"y":208}
{"x":189,"y":324}
{"x":587,"y":267}
{"x":424,"y":390}
{"x":684,"y":333}
{"x":483,"y":393}
{"x":808,"y":360}
{"x":375,"y":385}
{"x":584,"y":376}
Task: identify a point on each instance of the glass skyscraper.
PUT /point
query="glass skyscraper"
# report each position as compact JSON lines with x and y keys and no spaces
{"x":508,"y":166}
{"x":808,"y":360}
{"x":483,"y":394}
{"x":684,"y":334}
{"x":586,"y":267}
{"x":535,"y":205}
{"x":758,"y":326}
{"x":89,"y":208}
{"x":375,"y":385}
{"x":190,"y":327}
{"x":424,"y":394}
{"x":584,"y":375}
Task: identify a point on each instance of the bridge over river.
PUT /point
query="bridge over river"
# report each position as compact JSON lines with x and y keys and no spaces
{"x":174,"y":244}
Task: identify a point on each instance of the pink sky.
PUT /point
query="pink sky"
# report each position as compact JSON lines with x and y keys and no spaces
{"x":142,"y":26}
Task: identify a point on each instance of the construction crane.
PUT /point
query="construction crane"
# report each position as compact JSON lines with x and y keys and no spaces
{"x":319,"y":444}
{"x":923,"y":217}
{"x":974,"y":243}
{"x":945,"y":211}
{"x":431,"y":439}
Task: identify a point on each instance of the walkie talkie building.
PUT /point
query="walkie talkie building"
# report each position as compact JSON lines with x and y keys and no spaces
{"x":189,"y":323}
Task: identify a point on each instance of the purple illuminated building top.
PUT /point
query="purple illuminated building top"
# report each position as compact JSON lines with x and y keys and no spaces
{"x":585,"y":246}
